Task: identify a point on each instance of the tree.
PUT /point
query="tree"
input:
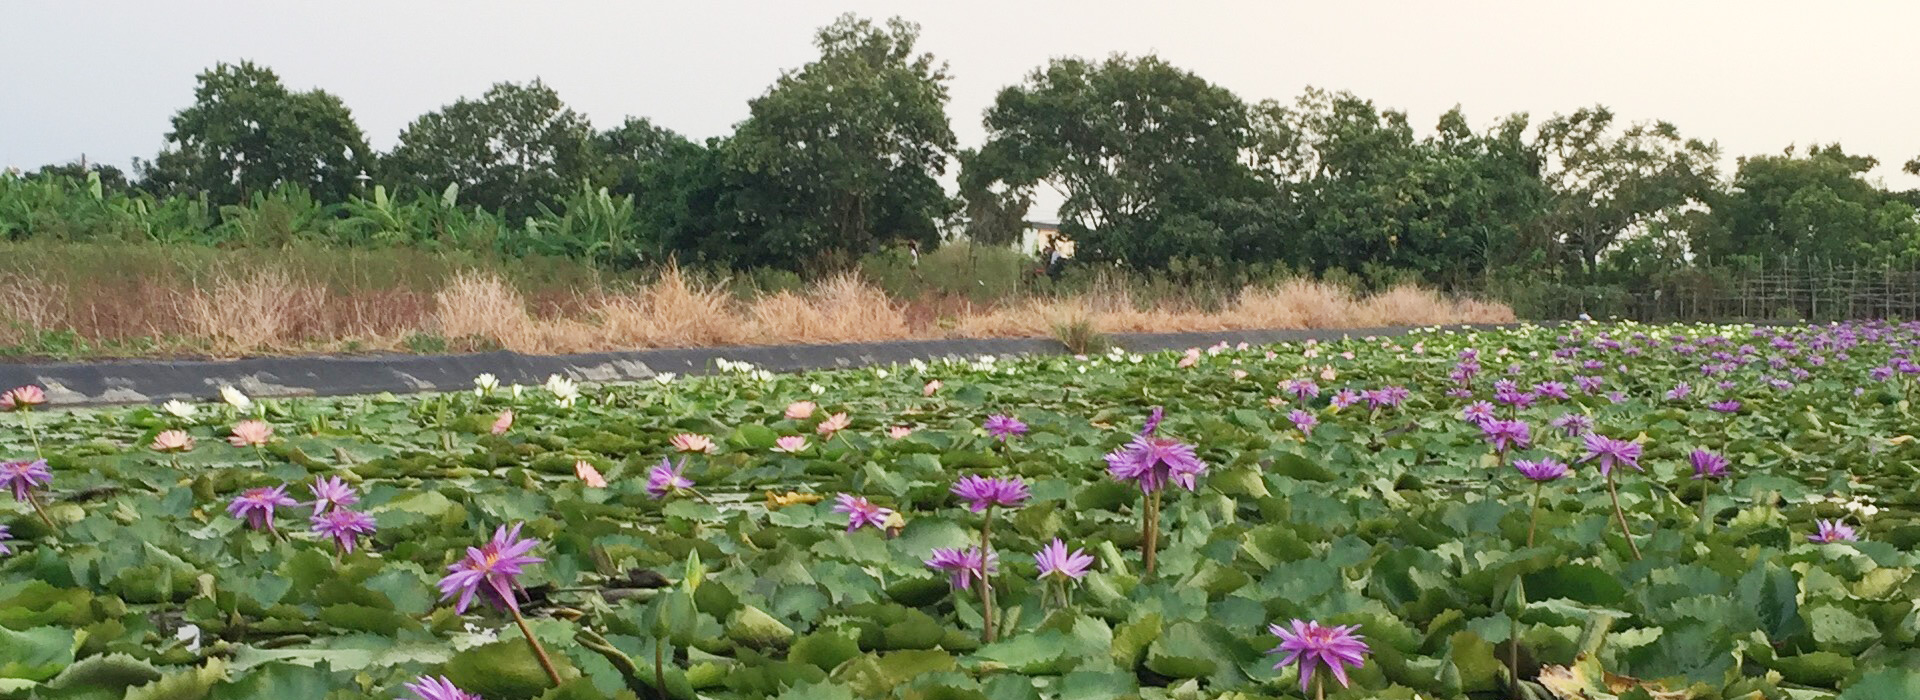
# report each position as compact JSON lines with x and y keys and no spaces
{"x":991,"y":214}
{"x":1820,"y":205}
{"x":624,"y":152}
{"x":516,"y":147}
{"x":843,"y":155}
{"x":1146,"y":154}
{"x":688,"y":196}
{"x":1367,"y":193}
{"x":1605,"y":185}
{"x":112,"y":179}
{"x":246,"y":133}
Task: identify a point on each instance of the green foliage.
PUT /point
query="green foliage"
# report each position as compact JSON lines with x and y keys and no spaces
{"x":840,"y":164}
{"x":1605,"y":183}
{"x":1081,"y":337}
{"x":246,"y":134}
{"x":1148,"y":156}
{"x":1398,"y":520}
{"x":1817,"y":206}
{"x":843,"y":155}
{"x":509,"y":151}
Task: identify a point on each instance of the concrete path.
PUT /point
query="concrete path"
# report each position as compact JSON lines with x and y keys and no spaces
{"x":143,"y":381}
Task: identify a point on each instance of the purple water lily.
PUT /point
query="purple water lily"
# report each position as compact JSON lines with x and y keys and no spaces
{"x":964,"y":566}
{"x":491,"y":570}
{"x":1312,"y":646}
{"x":667,"y":477}
{"x":437,"y":688}
{"x":346,"y":527}
{"x":982,"y":493}
{"x":862,"y":513}
{"x":1609,"y":452}
{"x":1504,"y":435}
{"x":1833,"y":531}
{"x":1055,"y":562}
{"x":330,"y":492}
{"x":256,"y":506}
{"x":1002,"y":427}
{"x":24,"y":476}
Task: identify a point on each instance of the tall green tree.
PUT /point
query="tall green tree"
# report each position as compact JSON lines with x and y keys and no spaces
{"x":844,"y":154}
{"x":246,"y":133}
{"x":1147,"y":155}
{"x":1367,"y":192}
{"x":1606,"y":183}
{"x":1817,"y":205}
{"x":516,"y":147}
{"x":689,"y":197}
{"x":623,"y":153}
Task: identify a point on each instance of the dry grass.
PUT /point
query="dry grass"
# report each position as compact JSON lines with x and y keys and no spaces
{"x":232,"y":310}
{"x":239,"y":313}
{"x":673,"y":311}
{"x":478,"y":305}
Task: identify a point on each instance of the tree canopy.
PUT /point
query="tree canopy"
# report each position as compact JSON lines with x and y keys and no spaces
{"x":844,"y":154}
{"x":509,"y":151}
{"x":1154,"y":168}
{"x":1818,"y":205}
{"x":1145,"y":153}
{"x":246,"y":133}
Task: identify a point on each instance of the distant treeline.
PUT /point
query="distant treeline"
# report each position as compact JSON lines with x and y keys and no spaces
{"x":841,"y":158}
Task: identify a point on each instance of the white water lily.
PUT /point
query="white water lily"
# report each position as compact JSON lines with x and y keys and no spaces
{"x":917,"y":364}
{"x":665,"y":378}
{"x":179,"y":409}
{"x":189,"y":635}
{"x":882,"y":373}
{"x":760,"y":375}
{"x":485,"y":384}
{"x":816,"y":389}
{"x":565,"y":391}
{"x":234,"y":398}
{"x":516,"y":390}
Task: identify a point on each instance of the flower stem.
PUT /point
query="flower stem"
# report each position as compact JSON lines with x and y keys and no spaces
{"x":540,"y":652}
{"x":1513,"y":654}
{"x":42,"y":512}
{"x":1533,"y":524}
{"x":1151,"y":530}
{"x":262,"y":454}
{"x":1614,"y":493}
{"x":659,"y":668}
{"x":1706,"y":491}
{"x":986,"y":583}
{"x":33,"y":431}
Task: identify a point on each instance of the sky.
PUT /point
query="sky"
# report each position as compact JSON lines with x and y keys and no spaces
{"x":102,"y":78}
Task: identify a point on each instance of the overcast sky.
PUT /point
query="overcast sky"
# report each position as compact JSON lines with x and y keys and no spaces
{"x":102,"y":77}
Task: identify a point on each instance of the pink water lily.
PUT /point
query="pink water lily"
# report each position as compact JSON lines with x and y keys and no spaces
{"x":800,"y":410}
{"x":502,"y":424}
{"x":692,"y":442}
{"x":791,"y":444}
{"x":251,"y":433}
{"x":172,"y":441}
{"x":833,"y":424}
{"x":22,"y":398}
{"x":589,"y":475}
